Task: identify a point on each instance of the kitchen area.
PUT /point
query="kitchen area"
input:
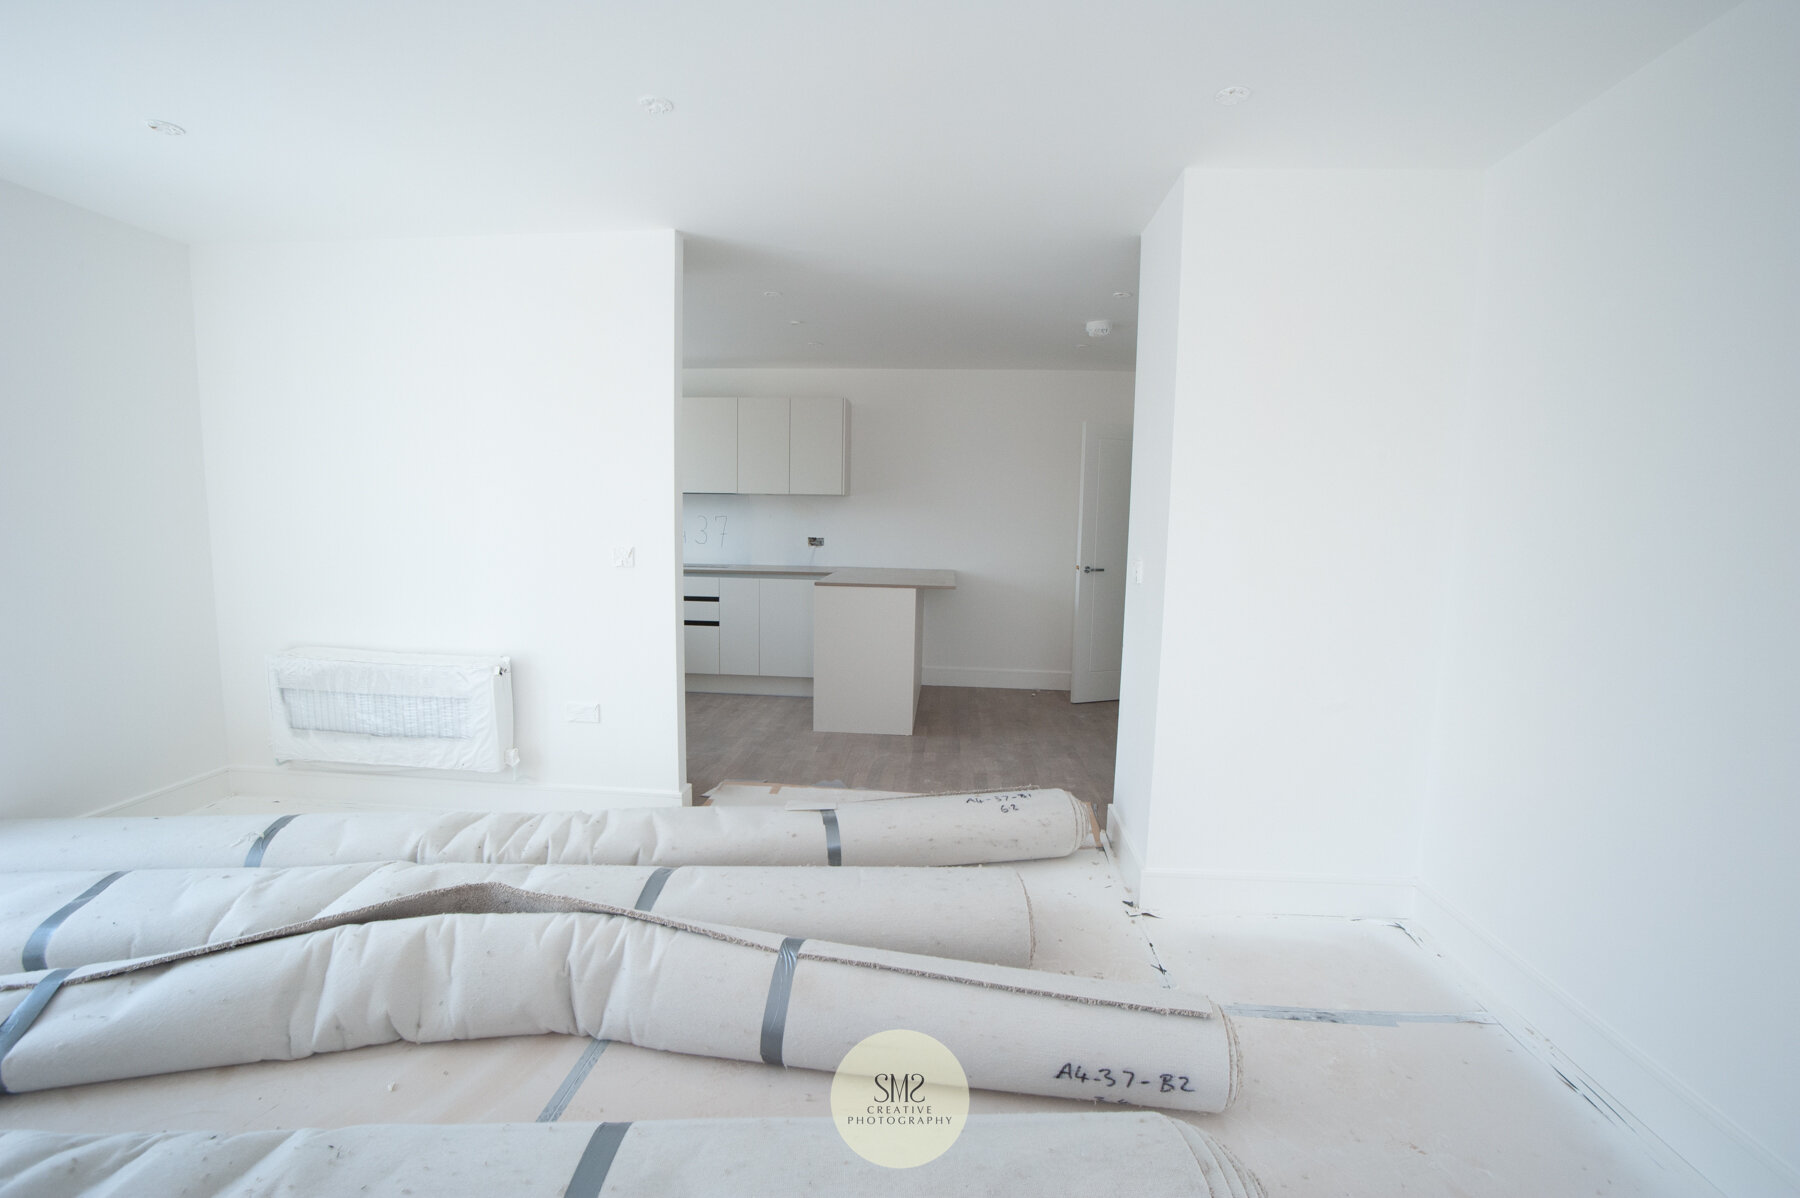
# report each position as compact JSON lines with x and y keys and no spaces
{"x":882,"y":573}
{"x":850,"y":637}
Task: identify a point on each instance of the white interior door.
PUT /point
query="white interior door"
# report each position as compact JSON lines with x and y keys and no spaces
{"x":1100,"y":562}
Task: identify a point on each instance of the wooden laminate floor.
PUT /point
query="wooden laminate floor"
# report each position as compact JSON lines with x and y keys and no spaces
{"x":966,"y":738}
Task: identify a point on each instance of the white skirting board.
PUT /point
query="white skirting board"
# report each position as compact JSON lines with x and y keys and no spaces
{"x":997,"y":677}
{"x":1593,"y":1057}
{"x":1222,"y":892}
{"x":749,"y":684}
{"x":1130,"y":865}
{"x":178,"y":798}
{"x":992,"y":677}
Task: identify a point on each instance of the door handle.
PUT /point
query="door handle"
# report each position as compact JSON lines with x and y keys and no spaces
{"x":1093,"y":569}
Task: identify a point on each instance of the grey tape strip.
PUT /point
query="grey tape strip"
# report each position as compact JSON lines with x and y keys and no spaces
{"x":254,"y":857}
{"x":781,"y":985}
{"x":38,"y":943}
{"x":559,"y":1101}
{"x":25,"y":1014}
{"x":1365,"y":1018}
{"x":596,"y":1160}
{"x":834,"y":847}
{"x":653,"y":886}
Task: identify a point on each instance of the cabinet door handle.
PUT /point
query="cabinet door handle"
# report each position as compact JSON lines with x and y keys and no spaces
{"x":1093,"y":569}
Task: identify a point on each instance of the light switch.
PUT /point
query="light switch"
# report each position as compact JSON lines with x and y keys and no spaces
{"x":626,"y":557}
{"x":581,"y":713}
{"x":1138,"y":571}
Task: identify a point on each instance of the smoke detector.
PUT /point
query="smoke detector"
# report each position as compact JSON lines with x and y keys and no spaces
{"x":656,"y":105}
{"x":1232,"y":96}
{"x":1099,"y":328}
{"x":166,"y":128}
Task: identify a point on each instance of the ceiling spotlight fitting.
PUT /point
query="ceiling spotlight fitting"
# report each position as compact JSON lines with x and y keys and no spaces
{"x":796,"y":322}
{"x":1121,"y":295}
{"x":771,"y":295}
{"x":656,"y":105}
{"x":1232,"y":95}
{"x":1099,"y":328}
{"x":167,"y":128}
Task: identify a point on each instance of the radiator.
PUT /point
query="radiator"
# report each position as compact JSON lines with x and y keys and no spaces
{"x":349,"y":706}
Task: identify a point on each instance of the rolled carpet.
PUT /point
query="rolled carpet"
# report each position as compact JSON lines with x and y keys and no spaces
{"x":960,"y":829}
{"x":1128,"y":1155}
{"x":71,"y":918}
{"x":511,"y":962}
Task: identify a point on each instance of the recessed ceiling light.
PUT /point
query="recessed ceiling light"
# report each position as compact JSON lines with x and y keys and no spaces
{"x":1121,"y":295}
{"x":168,"y":128}
{"x":1083,"y":345}
{"x":1232,"y":95}
{"x":796,"y":322}
{"x":771,"y":295}
{"x":656,"y":105}
{"x":816,"y":344}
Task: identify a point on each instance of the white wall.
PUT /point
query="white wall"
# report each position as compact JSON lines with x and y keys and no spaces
{"x":1160,"y":277}
{"x":977,"y":471}
{"x":106,"y":609}
{"x":1318,"y":347}
{"x":432,"y":446}
{"x":1613,"y":821}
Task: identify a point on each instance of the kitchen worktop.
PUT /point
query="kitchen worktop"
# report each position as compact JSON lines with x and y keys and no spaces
{"x":838,"y":576}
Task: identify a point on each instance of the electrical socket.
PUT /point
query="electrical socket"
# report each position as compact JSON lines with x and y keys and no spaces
{"x":816,"y":542}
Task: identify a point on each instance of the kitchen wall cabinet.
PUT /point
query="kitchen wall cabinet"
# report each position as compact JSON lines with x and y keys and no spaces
{"x":765,"y":446}
{"x":818,"y":451}
{"x":708,"y":430}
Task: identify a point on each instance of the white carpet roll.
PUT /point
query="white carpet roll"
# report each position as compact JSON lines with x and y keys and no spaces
{"x":963,"y":829}
{"x":50,"y":920}
{"x":1114,"y":1155}
{"x":643,"y":979}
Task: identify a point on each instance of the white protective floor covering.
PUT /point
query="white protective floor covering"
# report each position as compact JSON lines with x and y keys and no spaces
{"x":1368,"y":1069}
{"x":1124,"y":1154}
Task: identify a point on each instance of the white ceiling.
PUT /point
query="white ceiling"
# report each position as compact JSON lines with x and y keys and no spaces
{"x":926,"y":182}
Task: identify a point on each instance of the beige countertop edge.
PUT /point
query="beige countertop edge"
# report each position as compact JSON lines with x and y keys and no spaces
{"x":841,"y":576}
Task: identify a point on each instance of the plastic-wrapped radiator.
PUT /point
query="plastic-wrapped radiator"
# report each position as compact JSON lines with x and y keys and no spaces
{"x":429,"y":711}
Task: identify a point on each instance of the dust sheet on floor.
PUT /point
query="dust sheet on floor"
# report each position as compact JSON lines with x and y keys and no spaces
{"x":1081,"y":925}
{"x":1367,"y":1068}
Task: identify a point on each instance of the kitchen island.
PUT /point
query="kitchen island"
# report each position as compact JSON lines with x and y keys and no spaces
{"x":868,"y":627}
{"x":869,"y":648}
